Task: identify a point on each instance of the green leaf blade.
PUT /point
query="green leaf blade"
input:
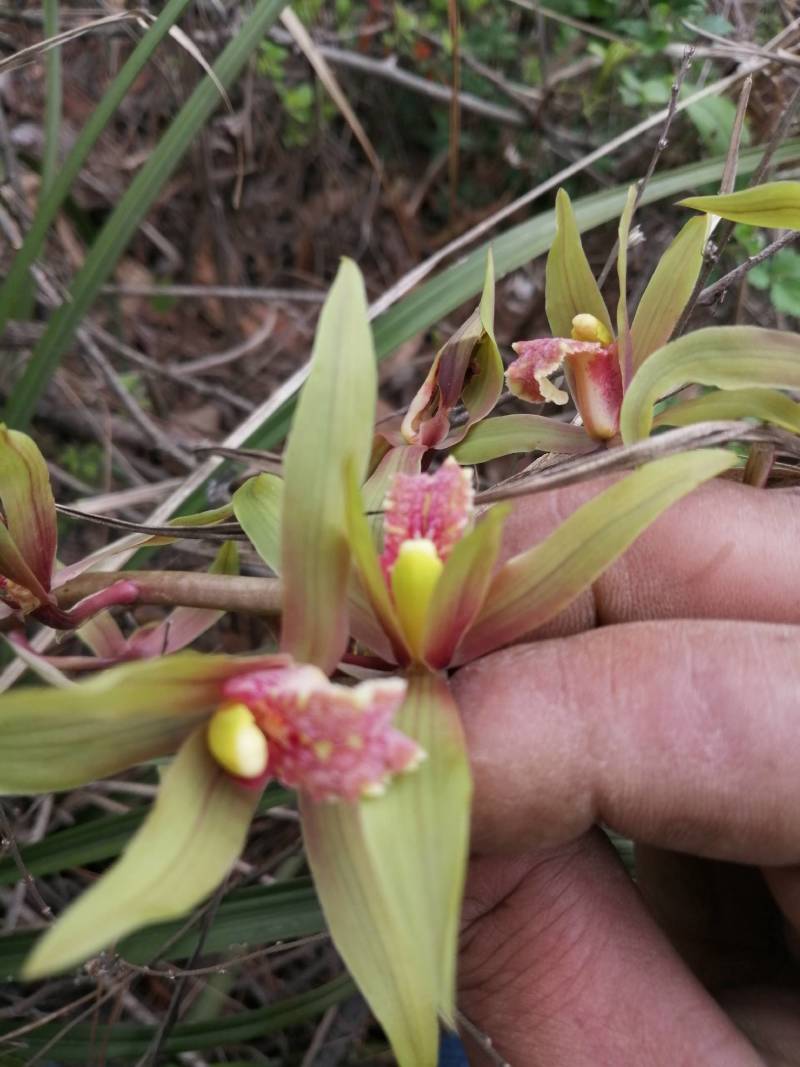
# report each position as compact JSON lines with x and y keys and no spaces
{"x":535,"y":586}
{"x":668,"y":291}
{"x":509,"y":434}
{"x":185,"y":847}
{"x":333,"y":427}
{"x":774,"y":204}
{"x":727,"y":357}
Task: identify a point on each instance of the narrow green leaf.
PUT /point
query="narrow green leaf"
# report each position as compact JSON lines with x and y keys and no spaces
{"x":507,"y":434}
{"x":49,"y":205}
{"x":185,"y":847}
{"x":98,"y":838}
{"x":127,"y":1043}
{"x":775,"y":205}
{"x":52,"y":110}
{"x":258,"y":505}
{"x":536,"y":585}
{"x":570,"y":288}
{"x":764,"y":404}
{"x":623,"y":322}
{"x":333,"y":427}
{"x":131,"y":209}
{"x":668,"y":291}
{"x":61,"y":738}
{"x":28,"y":506}
{"x":462,"y":587}
{"x":728,"y":357}
{"x":395,"y":866}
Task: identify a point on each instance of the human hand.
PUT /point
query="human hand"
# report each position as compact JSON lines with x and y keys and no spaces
{"x":664,"y":704}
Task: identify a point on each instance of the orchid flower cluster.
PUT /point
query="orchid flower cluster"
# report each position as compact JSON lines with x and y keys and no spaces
{"x":391,"y":576}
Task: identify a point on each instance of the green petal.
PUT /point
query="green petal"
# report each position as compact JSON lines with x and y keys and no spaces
{"x":668,"y":291}
{"x":28,"y":504}
{"x":390,"y":876}
{"x":507,"y":434}
{"x":462,"y":587}
{"x":368,"y":568}
{"x":536,"y":585}
{"x":333,"y":425}
{"x":570,"y":288}
{"x":61,"y":738}
{"x":487,"y":374}
{"x":764,"y":404}
{"x":258,"y":505}
{"x":728,"y":357}
{"x":623,"y":331}
{"x":775,"y":205}
{"x":185,"y":847}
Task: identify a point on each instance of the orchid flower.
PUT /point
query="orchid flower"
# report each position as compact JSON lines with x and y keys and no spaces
{"x":615,"y":381}
{"x":380,"y":767}
{"x":598,"y":367}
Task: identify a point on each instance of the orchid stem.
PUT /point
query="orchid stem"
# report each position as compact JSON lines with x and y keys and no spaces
{"x":259,"y":596}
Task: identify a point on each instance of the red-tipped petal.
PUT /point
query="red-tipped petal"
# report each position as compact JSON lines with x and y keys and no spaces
{"x":597,"y":386}
{"x":528,"y":377}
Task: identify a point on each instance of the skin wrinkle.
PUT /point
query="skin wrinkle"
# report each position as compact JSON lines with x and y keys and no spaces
{"x":661,"y":781}
{"x":682,"y":566}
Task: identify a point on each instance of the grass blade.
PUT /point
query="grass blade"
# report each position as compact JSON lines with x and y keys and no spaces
{"x":51,"y":200}
{"x":118,"y":230}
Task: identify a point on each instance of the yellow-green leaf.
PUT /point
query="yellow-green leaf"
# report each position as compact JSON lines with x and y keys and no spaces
{"x":668,"y":291}
{"x":185,"y":847}
{"x":536,"y":585}
{"x":28,"y":505}
{"x":570,"y":288}
{"x":774,"y":204}
{"x":764,"y":404}
{"x":394,"y":866}
{"x":61,"y":738}
{"x":728,"y":357}
{"x":462,"y":586}
{"x":258,"y":505}
{"x":332,"y":426}
{"x":485,"y":380}
{"x":507,"y":434}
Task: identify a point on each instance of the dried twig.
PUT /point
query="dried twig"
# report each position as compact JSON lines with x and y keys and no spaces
{"x":717,"y":291}
{"x":614,"y":460}
{"x":714,"y":250}
{"x":661,"y":146}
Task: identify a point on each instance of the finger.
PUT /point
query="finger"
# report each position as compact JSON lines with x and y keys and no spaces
{"x":562,"y":967}
{"x":677,"y":734}
{"x":725,"y":551}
